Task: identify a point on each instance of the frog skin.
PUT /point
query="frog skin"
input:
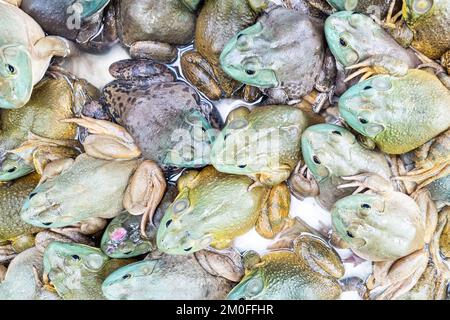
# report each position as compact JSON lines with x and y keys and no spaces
{"x":25,"y":55}
{"x":383,"y":110}
{"x":274,"y":130}
{"x":331,"y":152}
{"x":99,"y":184}
{"x":375,"y":7}
{"x":174,"y":132}
{"x":309,"y":271}
{"x":200,"y":217}
{"x":217,"y":23}
{"x":122,"y":239}
{"x":22,"y":280}
{"x":440,"y":191}
{"x":77,"y":271}
{"x":78,"y":21}
{"x":204,"y":275}
{"x":34,"y":135}
{"x":286,"y":65}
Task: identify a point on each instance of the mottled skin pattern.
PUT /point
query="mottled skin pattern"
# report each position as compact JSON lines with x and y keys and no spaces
{"x":275,"y":129}
{"x":12,"y":197}
{"x":21,"y":282}
{"x":138,"y":101}
{"x":90,"y":188}
{"x":377,"y":7}
{"x":383,"y":110}
{"x":273,"y":55}
{"x":52,"y":101}
{"x":331,"y":152}
{"x":440,"y":191}
{"x":168,"y":277}
{"x":77,"y":271}
{"x":122,"y":237}
{"x":306,"y":273}
{"x":200,"y":216}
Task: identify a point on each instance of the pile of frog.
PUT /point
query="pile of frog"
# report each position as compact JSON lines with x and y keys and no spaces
{"x":139,"y":190}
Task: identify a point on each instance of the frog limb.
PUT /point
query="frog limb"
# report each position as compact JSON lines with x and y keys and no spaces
{"x":68,"y":234}
{"x":302,"y":184}
{"x":16,"y":3}
{"x":107,"y":140}
{"x":54,"y":46}
{"x":186,"y":179}
{"x":251,"y":259}
{"x":7,"y":253}
{"x":369,"y":181}
{"x":274,"y":211}
{"x":321,"y":257}
{"x":22,"y":242}
{"x":238,"y":113}
{"x":274,"y":176}
{"x":157,"y":51}
{"x":378,"y":64}
{"x":429,"y":211}
{"x":200,"y":74}
{"x":144,"y":192}
{"x":435,"y":244}
{"x":3,"y":270}
{"x":258,"y":6}
{"x":445,"y":61}
{"x":225,"y":263}
{"x":55,"y":168}
{"x":354,"y":284}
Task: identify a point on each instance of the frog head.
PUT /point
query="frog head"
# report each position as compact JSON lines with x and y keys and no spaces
{"x":14,"y":167}
{"x":16,"y":77}
{"x":414,"y":10}
{"x":327,"y":150}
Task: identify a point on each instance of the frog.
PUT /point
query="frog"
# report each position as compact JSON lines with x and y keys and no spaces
{"x":289,"y":66}
{"x":33,"y":135}
{"x":308,"y":271}
{"x":122,"y":237}
{"x":200,"y":217}
{"x":87,"y":23}
{"x":77,"y":271}
{"x":383,"y":110}
{"x":331,"y":153}
{"x":378,"y":8}
{"x":218,"y":21}
{"x":69,"y":192}
{"x":263,"y":143}
{"x":25,"y":54}
{"x":203,"y":275}
{"x":177,"y":132}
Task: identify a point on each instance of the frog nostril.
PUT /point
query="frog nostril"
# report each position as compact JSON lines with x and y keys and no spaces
{"x":32,"y":194}
{"x":367,"y":87}
{"x":250,"y":72}
{"x":350,"y":234}
{"x":242,"y":166}
{"x":188,"y":249}
{"x":11,"y":170}
{"x":168,"y":223}
{"x":46,"y":223}
{"x":337,"y":132}
{"x":365,"y":206}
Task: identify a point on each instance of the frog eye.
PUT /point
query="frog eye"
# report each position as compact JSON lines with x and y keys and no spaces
{"x":168,"y":223}
{"x":422,"y":6}
{"x":238,"y":124}
{"x":32,"y":195}
{"x":316,"y":160}
{"x":362,"y":120}
{"x":350,"y":234}
{"x":76,"y":257}
{"x":10,"y":69}
{"x":180,"y":205}
{"x":342,"y":42}
{"x":251,"y":66}
{"x":367,"y":87}
{"x":126,"y":276}
{"x":336,"y":132}
{"x":254,"y":287}
{"x":188,"y":249}
{"x":11,"y":170}
{"x":365,"y":206}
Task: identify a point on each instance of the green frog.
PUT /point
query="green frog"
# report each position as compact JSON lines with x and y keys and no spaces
{"x":383,"y":110}
{"x":25,"y":54}
{"x":308,"y":271}
{"x":201,"y":217}
{"x":263,"y":144}
{"x":203,"y":275}
{"x":77,"y":271}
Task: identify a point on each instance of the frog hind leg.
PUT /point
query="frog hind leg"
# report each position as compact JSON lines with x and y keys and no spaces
{"x":200,"y":74}
{"x":50,"y":46}
{"x":22,"y":242}
{"x":157,"y":51}
{"x":107,"y":140}
{"x":274,"y":212}
{"x":224,"y":263}
{"x":145,"y":191}
{"x":7,"y":253}
{"x":377,"y":64}
{"x":439,"y":69}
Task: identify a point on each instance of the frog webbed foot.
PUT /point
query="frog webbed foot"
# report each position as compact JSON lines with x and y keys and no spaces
{"x":227,"y":264}
{"x":378,"y":64}
{"x":200,"y":74}
{"x":367,"y":181}
{"x":302,"y":184}
{"x":144,"y":192}
{"x":274,"y":212}
{"x":157,"y":51}
{"x":107,"y":140}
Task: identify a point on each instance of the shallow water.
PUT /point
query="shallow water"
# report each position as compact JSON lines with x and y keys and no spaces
{"x":94,"y":68}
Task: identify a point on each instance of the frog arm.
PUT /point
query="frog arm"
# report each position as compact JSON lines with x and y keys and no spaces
{"x":55,"y":168}
{"x":320,"y":257}
{"x":22,"y":242}
{"x":274,"y":176}
{"x":222,"y":244}
{"x":378,"y":64}
{"x":7,"y":253}
{"x":200,"y":74}
{"x":302,"y":183}
{"x":50,"y":46}
{"x":274,"y":211}
{"x":186,"y":179}
{"x":43,"y":156}
{"x":225,"y":263}
{"x":144,"y":192}
{"x":107,"y":140}
{"x":237,"y":113}
{"x":429,"y":212}
{"x":370,"y":181}
{"x":445,"y":61}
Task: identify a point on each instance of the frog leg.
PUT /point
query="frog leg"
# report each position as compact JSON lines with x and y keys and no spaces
{"x":3,"y":271}
{"x":55,"y":168}
{"x":369,"y":181}
{"x":321,"y":257}
{"x":68,"y":235}
{"x":50,"y":46}
{"x":84,"y":93}
{"x":186,"y":178}
{"x":429,"y":211}
{"x":274,"y":176}
{"x":445,"y":61}
{"x":377,"y":64}
{"x":238,"y":113}
{"x":200,"y":74}
{"x":302,"y":184}
{"x":274,"y":212}
{"x":222,"y":244}
{"x":22,"y":242}
{"x":107,"y":140}
{"x":225,"y":263}
{"x":435,"y":67}
{"x":157,"y":51}
{"x":7,"y":253}
{"x":439,"y":243}
{"x":43,"y":156}
{"x":144,"y":192}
